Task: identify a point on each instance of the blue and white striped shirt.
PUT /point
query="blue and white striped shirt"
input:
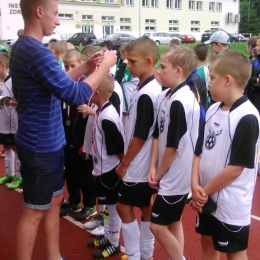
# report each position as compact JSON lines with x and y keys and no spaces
{"x":38,"y":85}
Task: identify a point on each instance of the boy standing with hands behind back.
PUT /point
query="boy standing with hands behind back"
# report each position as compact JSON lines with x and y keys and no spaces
{"x":221,"y":167}
{"x":134,"y":191}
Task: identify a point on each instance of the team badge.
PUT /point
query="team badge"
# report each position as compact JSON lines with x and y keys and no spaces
{"x":162,"y":121}
{"x":211,"y":138}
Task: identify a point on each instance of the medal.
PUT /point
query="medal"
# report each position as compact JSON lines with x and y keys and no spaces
{"x":95,"y":159}
{"x":68,"y":122}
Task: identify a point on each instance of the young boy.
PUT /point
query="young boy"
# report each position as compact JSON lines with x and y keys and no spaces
{"x":87,"y":51}
{"x":219,"y":41}
{"x":221,"y":169}
{"x":107,"y":151}
{"x":8,"y":127}
{"x":134,"y":191}
{"x":78,"y":171}
{"x":175,"y":135}
{"x":58,"y":48}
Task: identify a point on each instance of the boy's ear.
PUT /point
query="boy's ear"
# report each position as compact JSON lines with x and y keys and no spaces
{"x":149,"y":61}
{"x":229,"y":80}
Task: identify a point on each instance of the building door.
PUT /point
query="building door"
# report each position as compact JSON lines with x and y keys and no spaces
{"x":87,"y":28}
{"x":107,"y":29}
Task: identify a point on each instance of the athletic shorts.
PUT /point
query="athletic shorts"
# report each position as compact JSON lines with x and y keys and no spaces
{"x":227,"y":238}
{"x":107,"y":185}
{"x":43,"y":177}
{"x":167,"y":209}
{"x":7,"y":139}
{"x":137,"y":194}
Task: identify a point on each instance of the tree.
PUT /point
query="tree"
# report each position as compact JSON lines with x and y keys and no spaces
{"x":249,"y":20}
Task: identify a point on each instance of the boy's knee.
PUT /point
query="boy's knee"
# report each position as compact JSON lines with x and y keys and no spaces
{"x":157,"y":230}
{"x":207,"y":243}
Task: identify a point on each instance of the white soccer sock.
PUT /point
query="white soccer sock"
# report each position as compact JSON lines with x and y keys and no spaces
{"x":17,"y":166}
{"x":114,"y":225}
{"x":106,"y":221}
{"x":146,"y":240}
{"x":9,"y":161}
{"x":131,"y":237}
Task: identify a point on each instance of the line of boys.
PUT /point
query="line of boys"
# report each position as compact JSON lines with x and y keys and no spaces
{"x":177,"y":112}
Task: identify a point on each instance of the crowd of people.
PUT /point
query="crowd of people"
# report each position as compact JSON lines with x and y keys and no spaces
{"x":99,"y":121}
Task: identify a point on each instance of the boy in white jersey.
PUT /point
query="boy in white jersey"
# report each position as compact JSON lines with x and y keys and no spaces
{"x":175,"y":136}
{"x":107,"y":150}
{"x":134,"y":191}
{"x":222,"y":170}
{"x":8,"y":127}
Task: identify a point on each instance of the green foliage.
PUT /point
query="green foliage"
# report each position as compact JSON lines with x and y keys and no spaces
{"x":249,"y":17}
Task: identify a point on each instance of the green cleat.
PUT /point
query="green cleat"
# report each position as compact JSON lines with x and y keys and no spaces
{"x":16,"y":183}
{"x":6,"y":178}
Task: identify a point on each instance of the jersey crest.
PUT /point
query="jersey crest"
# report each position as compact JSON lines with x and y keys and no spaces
{"x":212,"y":138}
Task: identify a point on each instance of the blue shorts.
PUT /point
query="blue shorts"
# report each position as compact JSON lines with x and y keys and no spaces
{"x":43,"y":177}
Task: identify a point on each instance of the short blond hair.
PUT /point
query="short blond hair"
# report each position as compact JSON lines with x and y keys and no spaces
{"x":59,"y":47}
{"x":27,"y":6}
{"x":106,"y":86}
{"x":88,"y":50}
{"x":233,"y":63}
{"x":72,"y":54}
{"x":145,"y":47}
{"x":180,"y":56}
{"x":174,"y":42}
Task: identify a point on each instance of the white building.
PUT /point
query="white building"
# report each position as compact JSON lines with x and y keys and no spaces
{"x":131,"y":16}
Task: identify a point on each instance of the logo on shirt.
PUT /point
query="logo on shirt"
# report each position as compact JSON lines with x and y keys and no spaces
{"x":102,"y":198}
{"x":162,"y":121}
{"x":212,"y":138}
{"x":119,"y":194}
{"x":223,"y":243}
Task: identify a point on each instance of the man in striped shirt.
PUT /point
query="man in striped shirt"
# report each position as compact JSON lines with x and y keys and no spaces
{"x":39,"y":84}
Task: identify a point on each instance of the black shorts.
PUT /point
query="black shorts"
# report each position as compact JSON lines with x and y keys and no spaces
{"x":7,"y":139}
{"x":137,"y":194}
{"x":167,"y":209}
{"x":107,"y":188}
{"x":226,"y":238}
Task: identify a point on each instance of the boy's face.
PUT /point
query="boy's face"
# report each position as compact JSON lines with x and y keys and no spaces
{"x":71,"y":64}
{"x":136,"y":64}
{"x":104,"y":48}
{"x":167,"y":73}
{"x":216,"y":84}
{"x":258,"y":46}
{"x":217,"y":47}
{"x":85,"y":57}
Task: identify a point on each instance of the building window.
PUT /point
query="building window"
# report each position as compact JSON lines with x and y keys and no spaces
{"x":87,"y":17}
{"x":219,"y":7}
{"x":177,"y":4}
{"x":193,"y":29}
{"x":199,"y":5}
{"x":211,"y":6}
{"x":154,"y":3}
{"x":150,"y":21}
{"x":173,"y":29}
{"x":145,"y":3}
{"x":129,"y":2}
{"x":108,"y":18}
{"x":214,"y":28}
{"x":195,"y":22}
{"x":125,"y":20}
{"x":215,"y":23}
{"x":108,"y":1}
{"x":150,"y":28}
{"x":169,"y":4}
{"x":65,"y":16}
{"x":125,"y":28}
{"x":191,"y":5}
{"x":173,"y":21}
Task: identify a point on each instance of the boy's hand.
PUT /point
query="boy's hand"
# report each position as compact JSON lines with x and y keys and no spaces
{"x":195,"y":206}
{"x":121,"y":170}
{"x":199,"y":195}
{"x":86,"y":110}
{"x":151,"y":176}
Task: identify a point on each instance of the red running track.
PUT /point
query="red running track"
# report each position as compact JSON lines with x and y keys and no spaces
{"x":73,"y":239}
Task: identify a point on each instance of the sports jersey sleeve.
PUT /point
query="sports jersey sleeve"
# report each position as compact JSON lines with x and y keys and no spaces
{"x":199,"y":143}
{"x":245,"y":139}
{"x":178,"y":126}
{"x":115,"y":101}
{"x":156,"y":130}
{"x":113,"y":138}
{"x":46,"y":70}
{"x":145,"y":117}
